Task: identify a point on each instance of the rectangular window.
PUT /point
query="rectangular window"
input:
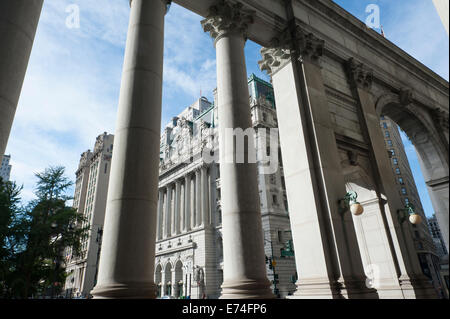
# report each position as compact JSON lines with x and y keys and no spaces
{"x":406,"y":200}
{"x":387,"y":134}
{"x":400,"y":180}
{"x":395,"y":161}
{"x":275,"y":199}
{"x":397,"y":171}
{"x":392,"y":152}
{"x":385,"y":125}
{"x":389,"y":142}
{"x":404,"y":191}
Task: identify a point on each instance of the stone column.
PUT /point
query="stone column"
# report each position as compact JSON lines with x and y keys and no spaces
{"x":18,"y":23}
{"x":412,"y":282}
{"x":205,"y":196}
{"x":193,"y":201}
{"x":127,"y":261}
{"x":187,"y":202}
{"x":160,"y":215}
{"x":243,"y":246}
{"x":328,"y":261}
{"x":182,"y":225}
{"x":176,"y":221}
{"x":198,"y":198}
{"x":168,"y":212}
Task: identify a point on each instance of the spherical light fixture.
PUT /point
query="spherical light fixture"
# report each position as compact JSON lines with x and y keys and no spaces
{"x":349,"y":202}
{"x":356,"y":209}
{"x":415,"y":219}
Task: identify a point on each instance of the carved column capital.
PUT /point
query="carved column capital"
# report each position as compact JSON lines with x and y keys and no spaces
{"x":225,"y":18}
{"x":359,"y":75}
{"x":282,"y":49}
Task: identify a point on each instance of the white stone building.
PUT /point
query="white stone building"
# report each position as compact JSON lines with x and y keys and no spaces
{"x":5,"y":168}
{"x":91,"y":188}
{"x":189,"y":256}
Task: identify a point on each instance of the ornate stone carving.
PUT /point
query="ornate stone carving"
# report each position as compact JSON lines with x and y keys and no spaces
{"x":227,"y":18}
{"x":84,"y":160}
{"x":441,"y":118}
{"x":99,"y":143}
{"x":405,"y":96}
{"x":359,"y":74}
{"x":280,"y":52}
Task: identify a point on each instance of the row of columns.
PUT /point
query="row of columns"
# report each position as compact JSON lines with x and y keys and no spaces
{"x":327,"y":255}
{"x":184,"y":205}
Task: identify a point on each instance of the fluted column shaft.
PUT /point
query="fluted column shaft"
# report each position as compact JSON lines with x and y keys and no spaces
{"x":193,"y":200}
{"x":160,"y":214}
{"x":187,"y":202}
{"x":127,"y":261}
{"x":18,"y":24}
{"x":243,"y":246}
{"x":176,"y":221}
{"x":168,"y":212}
{"x":198,"y":199}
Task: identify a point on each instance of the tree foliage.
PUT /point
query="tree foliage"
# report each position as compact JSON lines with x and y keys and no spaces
{"x":35,"y":236}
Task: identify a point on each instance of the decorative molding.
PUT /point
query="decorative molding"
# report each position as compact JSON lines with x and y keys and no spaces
{"x":441,"y":118}
{"x":359,"y":74}
{"x":225,"y":18}
{"x":280,"y":51}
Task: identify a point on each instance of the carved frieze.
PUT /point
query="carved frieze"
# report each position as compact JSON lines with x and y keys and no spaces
{"x":225,"y":18}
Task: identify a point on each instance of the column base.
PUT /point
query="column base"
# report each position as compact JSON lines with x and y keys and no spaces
{"x":247,"y":289}
{"x":136,"y":290}
{"x":326,"y":289}
{"x":417,"y":287}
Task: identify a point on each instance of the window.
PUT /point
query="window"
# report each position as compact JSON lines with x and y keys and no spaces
{"x":397,"y":171}
{"x":385,"y":125}
{"x":387,"y":134}
{"x":268,"y":150}
{"x":404,"y":191}
{"x":389,"y":142}
{"x":406,"y":200}
{"x":400,"y":180}
{"x":395,"y":161}
{"x":392,"y":152}
{"x":382,"y":117}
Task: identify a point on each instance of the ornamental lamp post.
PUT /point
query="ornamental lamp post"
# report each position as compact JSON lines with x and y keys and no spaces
{"x":349,"y":202}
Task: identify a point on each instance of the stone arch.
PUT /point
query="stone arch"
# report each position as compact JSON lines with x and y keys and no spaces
{"x":158,"y":279}
{"x":178,"y":280}
{"x":168,"y":281}
{"x":429,"y":137}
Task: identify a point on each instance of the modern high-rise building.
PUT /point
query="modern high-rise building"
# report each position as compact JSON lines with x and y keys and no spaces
{"x":423,"y":241}
{"x":91,"y":188}
{"x":437,"y":236}
{"x":5,"y":169}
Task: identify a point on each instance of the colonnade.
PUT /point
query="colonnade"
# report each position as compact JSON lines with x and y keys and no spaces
{"x":184,"y":204}
{"x":327,"y":255}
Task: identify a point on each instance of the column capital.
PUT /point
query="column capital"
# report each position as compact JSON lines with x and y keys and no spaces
{"x":282,"y":49}
{"x":225,"y":18}
{"x":359,"y":74}
{"x":405,"y":96}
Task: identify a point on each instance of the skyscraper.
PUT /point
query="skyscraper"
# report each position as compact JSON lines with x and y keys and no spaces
{"x":91,"y":188}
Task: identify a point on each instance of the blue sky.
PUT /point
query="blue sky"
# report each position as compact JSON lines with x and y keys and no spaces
{"x":72,"y":84}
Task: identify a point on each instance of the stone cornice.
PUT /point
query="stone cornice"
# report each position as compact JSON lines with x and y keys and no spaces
{"x":225,"y":18}
{"x":359,"y":75}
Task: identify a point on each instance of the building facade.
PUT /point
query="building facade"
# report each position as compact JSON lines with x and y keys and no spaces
{"x":437,"y":236}
{"x":189,"y":247}
{"x":91,"y":188}
{"x":407,"y":191}
{"x":5,"y":168}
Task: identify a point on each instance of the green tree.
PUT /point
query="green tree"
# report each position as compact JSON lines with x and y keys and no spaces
{"x":10,"y":240}
{"x":48,"y":226}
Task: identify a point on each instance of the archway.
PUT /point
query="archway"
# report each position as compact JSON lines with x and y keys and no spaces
{"x":168,"y":280}
{"x":178,"y":282}
{"x":428,"y":132}
{"x":158,"y":278}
